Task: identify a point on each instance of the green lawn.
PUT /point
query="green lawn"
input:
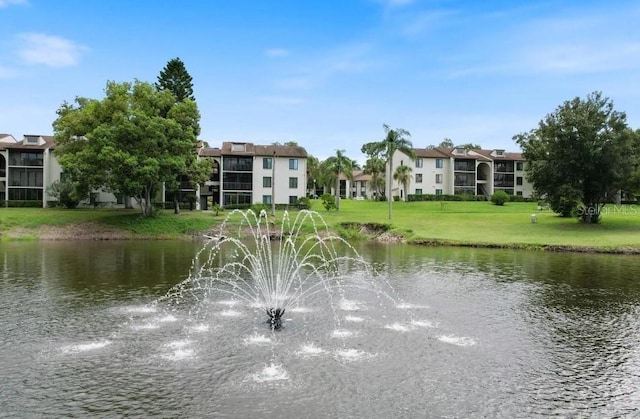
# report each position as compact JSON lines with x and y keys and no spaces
{"x":484,"y":223}
{"x":468,"y":223}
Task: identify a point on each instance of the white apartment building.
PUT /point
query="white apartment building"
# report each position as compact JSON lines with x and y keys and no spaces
{"x":453,"y":171}
{"x":243,"y":173}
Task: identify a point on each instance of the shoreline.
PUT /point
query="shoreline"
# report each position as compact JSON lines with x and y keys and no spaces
{"x":96,"y":232}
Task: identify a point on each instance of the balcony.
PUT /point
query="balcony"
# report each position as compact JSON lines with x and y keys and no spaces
{"x":237,"y":186}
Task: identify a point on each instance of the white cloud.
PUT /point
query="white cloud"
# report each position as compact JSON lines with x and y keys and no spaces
{"x":7,"y":3}
{"x":276,"y":52}
{"x":52,"y":51}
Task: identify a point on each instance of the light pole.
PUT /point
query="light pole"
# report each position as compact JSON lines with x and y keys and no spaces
{"x":273,"y":184}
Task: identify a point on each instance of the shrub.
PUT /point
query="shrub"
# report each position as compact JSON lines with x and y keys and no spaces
{"x":565,"y":207}
{"x":65,"y":193}
{"x":328,"y":202}
{"x":500,"y":198}
{"x":304,"y":203}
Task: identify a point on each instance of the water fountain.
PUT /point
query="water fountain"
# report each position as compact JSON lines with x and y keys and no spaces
{"x":272,"y":269}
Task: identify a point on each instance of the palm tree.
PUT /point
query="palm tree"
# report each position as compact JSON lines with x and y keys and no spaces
{"x":374,"y":166}
{"x":403,"y":176}
{"x":313,"y":174}
{"x":334,"y":166}
{"x":395,"y":140}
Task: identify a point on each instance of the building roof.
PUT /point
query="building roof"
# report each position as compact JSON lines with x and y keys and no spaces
{"x":250,"y":149}
{"x":209,"y":152}
{"x":491,"y":154}
{"x":361,"y":176}
{"x":44,"y":142}
{"x":433,"y":153}
{"x":476,"y":154}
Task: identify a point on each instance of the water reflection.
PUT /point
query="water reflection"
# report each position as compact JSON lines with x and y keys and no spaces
{"x":485,"y":333}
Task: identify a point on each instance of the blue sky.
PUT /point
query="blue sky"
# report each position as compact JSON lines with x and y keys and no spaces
{"x":328,"y":74}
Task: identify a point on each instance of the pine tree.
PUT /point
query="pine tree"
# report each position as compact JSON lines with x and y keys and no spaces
{"x":175,"y":78}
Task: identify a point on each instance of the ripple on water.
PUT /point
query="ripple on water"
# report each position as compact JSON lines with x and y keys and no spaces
{"x":352,"y":355}
{"x":199,"y":328}
{"x":145,"y":326}
{"x":257,"y":340}
{"x":271,"y":372}
{"x":180,"y":354}
{"x":350,"y":305}
{"x":457,"y":340}
{"x":398,"y":327}
{"x":168,"y":318}
{"x":341,"y":333}
{"x":140,"y":309}
{"x":83,"y":347}
{"x":409,"y":306}
{"x":310,"y":350}
{"x":178,"y":344}
{"x":300,"y":310}
{"x":354,"y":319}
{"x":424,"y":323}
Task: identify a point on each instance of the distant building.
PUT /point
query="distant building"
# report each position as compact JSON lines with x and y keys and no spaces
{"x":454,"y":171}
{"x":243,"y":173}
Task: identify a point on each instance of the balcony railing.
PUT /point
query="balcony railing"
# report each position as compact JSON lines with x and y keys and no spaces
{"x":237,"y":186}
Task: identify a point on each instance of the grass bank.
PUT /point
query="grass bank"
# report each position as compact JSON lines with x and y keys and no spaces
{"x":487,"y":225}
{"x":430,"y":223}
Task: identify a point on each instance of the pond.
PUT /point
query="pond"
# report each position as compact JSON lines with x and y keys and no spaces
{"x":464,"y":333}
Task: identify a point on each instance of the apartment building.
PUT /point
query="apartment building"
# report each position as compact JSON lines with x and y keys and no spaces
{"x":454,"y":171}
{"x":243,"y":173}
{"x":246,"y":173}
{"x":27,"y":167}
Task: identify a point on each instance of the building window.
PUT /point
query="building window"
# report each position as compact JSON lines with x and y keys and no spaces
{"x":464,"y":165}
{"x":293,"y":199}
{"x":438,"y":177}
{"x":267,"y":163}
{"x":439,"y":163}
{"x":293,"y":164}
{"x":438,"y":191}
{"x":418,"y":177}
{"x":266,"y":199}
{"x":238,"y":147}
{"x":418,"y":191}
{"x":503,"y":166}
{"x":519,"y":193}
{"x":266,"y":181}
{"x":293,"y":182}
{"x":519,"y":180}
{"x":519,"y":166}
{"x":419,"y":163}
{"x":237,"y":164}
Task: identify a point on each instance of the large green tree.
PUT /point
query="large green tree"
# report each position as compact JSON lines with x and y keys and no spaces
{"x":395,"y":140}
{"x":130,"y":141}
{"x":583,"y":150}
{"x":175,"y":78}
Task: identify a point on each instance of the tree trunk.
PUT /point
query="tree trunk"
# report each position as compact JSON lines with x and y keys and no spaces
{"x":338,"y":193}
{"x":176,"y":203}
{"x":590,"y":214}
{"x":146,"y":204}
{"x":390,"y":198}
